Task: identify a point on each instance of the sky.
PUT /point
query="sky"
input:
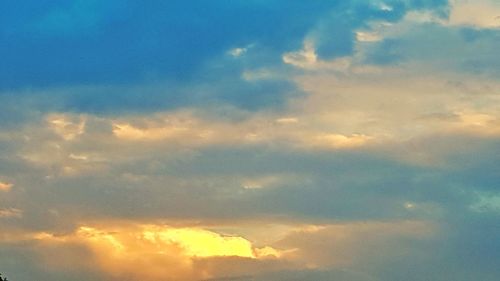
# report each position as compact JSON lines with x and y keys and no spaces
{"x":250,"y":140}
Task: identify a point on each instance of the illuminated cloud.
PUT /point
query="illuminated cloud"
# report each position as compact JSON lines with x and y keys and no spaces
{"x":303,"y":58}
{"x":367,"y":36}
{"x":67,"y":128}
{"x":193,"y":253}
{"x":250,"y":140}
{"x":341,"y":141}
{"x":479,"y":14}
{"x":166,"y":252}
{"x":5,"y":186}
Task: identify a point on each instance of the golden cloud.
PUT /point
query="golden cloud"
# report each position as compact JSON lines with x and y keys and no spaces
{"x":153,"y":252}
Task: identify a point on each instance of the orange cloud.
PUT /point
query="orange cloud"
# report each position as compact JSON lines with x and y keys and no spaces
{"x":154,"y":252}
{"x":5,"y":186}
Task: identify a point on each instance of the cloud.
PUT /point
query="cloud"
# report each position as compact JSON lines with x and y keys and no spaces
{"x":119,"y":250}
{"x":122,"y":42}
{"x":130,"y":56}
{"x":11,"y":213}
{"x":5,"y":186}
{"x":435,"y":44}
{"x":168,"y":253}
{"x":479,"y":14}
{"x":343,"y":140}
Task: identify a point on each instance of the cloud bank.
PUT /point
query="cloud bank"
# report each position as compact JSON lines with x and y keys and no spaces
{"x":250,"y":140}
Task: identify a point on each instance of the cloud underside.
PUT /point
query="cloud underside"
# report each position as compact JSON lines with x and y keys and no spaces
{"x":122,"y":250}
{"x":341,"y":140}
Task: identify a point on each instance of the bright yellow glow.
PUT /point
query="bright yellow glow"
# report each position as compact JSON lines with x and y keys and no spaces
{"x":163,"y":250}
{"x":190,"y":242}
{"x":157,"y":252}
{"x":199,"y":242}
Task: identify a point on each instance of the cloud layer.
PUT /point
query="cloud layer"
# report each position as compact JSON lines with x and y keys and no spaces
{"x":251,"y":140}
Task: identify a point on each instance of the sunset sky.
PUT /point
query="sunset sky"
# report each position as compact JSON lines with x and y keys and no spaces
{"x":251,"y":140}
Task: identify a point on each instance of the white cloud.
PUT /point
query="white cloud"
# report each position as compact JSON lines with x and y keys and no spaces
{"x":385,"y":7}
{"x":240,"y":51}
{"x":364,"y":36}
{"x":303,"y":58}
{"x":236,"y":52}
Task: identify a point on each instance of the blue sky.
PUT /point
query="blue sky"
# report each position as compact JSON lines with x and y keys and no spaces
{"x":250,"y":140}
